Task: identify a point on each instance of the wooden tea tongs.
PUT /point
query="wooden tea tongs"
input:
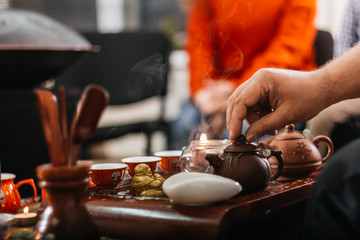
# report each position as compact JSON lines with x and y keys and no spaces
{"x":62,"y":150}
{"x":49,"y":112}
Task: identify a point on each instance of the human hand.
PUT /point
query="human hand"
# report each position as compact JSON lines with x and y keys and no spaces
{"x":213,"y":97}
{"x":272,"y":98}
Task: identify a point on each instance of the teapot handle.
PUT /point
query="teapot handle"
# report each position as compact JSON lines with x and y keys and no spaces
{"x":277,"y":155}
{"x":329,"y":144}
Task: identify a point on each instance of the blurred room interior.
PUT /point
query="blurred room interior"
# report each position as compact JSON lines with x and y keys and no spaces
{"x":122,"y":27}
{"x":168,"y":16}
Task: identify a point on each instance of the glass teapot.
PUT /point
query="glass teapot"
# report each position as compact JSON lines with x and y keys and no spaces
{"x":192,"y":158}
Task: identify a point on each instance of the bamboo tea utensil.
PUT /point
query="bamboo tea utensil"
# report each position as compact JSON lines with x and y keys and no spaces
{"x":49,"y":112}
{"x":89,"y":109}
{"x":64,"y":128}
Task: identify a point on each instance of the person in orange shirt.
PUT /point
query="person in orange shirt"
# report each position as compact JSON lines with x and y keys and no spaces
{"x":228,"y":41}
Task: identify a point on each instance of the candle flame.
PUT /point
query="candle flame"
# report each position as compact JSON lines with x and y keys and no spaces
{"x":26,"y":210}
{"x":203,"y":138}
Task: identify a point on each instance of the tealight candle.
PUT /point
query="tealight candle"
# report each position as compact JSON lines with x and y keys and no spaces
{"x":26,"y":218}
{"x":203,"y":140}
{"x":192,"y":158}
{"x":199,"y":152}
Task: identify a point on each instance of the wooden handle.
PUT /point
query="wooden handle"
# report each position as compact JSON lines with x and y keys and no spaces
{"x":49,"y":112}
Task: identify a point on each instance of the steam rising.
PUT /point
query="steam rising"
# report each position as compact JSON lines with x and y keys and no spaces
{"x":147,"y":78}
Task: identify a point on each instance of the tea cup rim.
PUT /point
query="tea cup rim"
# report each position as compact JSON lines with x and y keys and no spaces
{"x":141,"y":159}
{"x":107,"y":166}
{"x":168,"y":153}
{"x":7,"y":176}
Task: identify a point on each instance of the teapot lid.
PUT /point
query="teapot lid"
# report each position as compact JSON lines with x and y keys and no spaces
{"x":289,"y":134}
{"x":241,"y":145}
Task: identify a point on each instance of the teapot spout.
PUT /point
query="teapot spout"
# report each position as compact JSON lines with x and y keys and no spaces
{"x":214,"y":160}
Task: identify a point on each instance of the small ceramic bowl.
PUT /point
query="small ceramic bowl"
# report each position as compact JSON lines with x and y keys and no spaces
{"x":131,"y":162}
{"x":107,"y":175}
{"x":170,"y":160}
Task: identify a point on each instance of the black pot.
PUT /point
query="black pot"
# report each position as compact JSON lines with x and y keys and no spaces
{"x":35,"y":48}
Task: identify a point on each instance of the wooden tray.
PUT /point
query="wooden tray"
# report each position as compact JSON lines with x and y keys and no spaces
{"x":120,"y":214}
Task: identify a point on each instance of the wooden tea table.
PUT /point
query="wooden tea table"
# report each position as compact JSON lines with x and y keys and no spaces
{"x":121,"y":215}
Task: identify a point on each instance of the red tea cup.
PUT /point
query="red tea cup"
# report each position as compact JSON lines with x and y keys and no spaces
{"x":107,"y":175}
{"x":131,"y":162}
{"x":170,"y":162}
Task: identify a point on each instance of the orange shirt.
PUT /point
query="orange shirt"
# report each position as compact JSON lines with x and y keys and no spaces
{"x":232,"y":39}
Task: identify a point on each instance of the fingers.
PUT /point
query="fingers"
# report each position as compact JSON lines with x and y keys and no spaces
{"x":253,"y":117}
{"x":269,"y":89}
{"x":233,"y":101}
{"x":240,"y":106}
{"x":250,"y":101}
{"x":236,"y":123}
{"x":257,"y":112}
{"x":267,"y":125}
{"x":235,"y":113}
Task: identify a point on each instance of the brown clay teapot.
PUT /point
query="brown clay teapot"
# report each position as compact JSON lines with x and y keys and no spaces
{"x":301,"y":155}
{"x":244,"y":163}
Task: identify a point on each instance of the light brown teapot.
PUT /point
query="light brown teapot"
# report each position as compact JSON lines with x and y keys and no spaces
{"x":301,"y":156}
{"x":244,"y":163}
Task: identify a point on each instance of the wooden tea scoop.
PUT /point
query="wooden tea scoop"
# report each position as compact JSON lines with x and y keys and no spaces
{"x":49,"y":112}
{"x":89,"y":109}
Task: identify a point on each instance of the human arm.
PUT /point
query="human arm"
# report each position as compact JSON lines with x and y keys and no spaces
{"x":293,"y":96}
{"x":209,"y":95}
{"x":213,"y":97}
{"x":292,"y":45}
{"x":199,"y":45}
